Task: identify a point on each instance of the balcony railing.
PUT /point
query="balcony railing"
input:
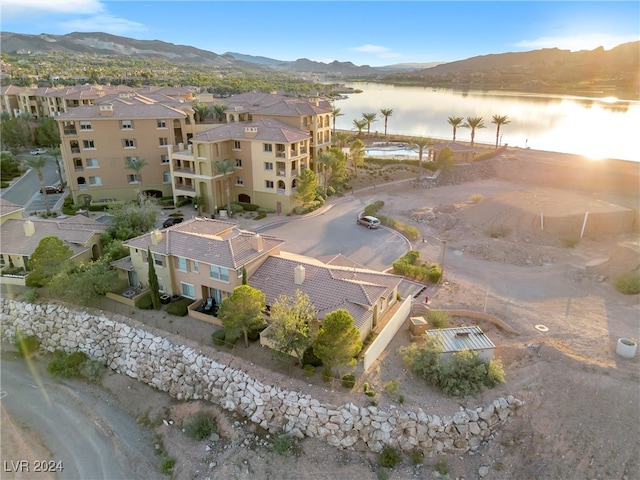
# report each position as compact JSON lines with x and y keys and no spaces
{"x":70,"y":131}
{"x":282,"y":191}
{"x":184,"y":187}
{"x":75,"y":149}
{"x":79,"y":169}
{"x":281,"y":154}
{"x":282,"y":173}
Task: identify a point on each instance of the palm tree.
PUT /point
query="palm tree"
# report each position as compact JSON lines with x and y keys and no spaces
{"x":421,"y":143}
{"x":360,"y":124}
{"x":356,"y":152}
{"x":335,"y":112}
{"x":455,"y":123}
{"x":498,"y":121}
{"x":369,"y":118}
{"x":137,"y":164}
{"x":386,"y":113}
{"x":55,"y":153}
{"x":200,"y":112}
{"x":473,"y":123}
{"x":326,"y":160}
{"x":38,"y":163}
{"x":340,"y":139}
{"x":225,"y":167}
{"x":219,"y":109}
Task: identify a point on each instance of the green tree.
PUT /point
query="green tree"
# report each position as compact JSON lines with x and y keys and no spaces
{"x":356,"y":152}
{"x":129,"y":220}
{"x":360,"y":124}
{"x":9,"y":167}
{"x":38,"y":163}
{"x":386,"y":113}
{"x":154,"y":286}
{"x":291,"y":319}
{"x":338,"y":341}
{"x":369,"y":118}
{"x":244,"y":275}
{"x":225,"y":168}
{"x":56,"y":154}
{"x":498,"y":121}
{"x":306,"y":186}
{"x":16,"y":133}
{"x":455,"y":122}
{"x":137,"y":164}
{"x":50,"y":257}
{"x":421,"y":143}
{"x":473,"y":123}
{"x":340,"y":139}
{"x":200,"y":112}
{"x":326,"y":160}
{"x":47,"y":133}
{"x":86,"y":283}
{"x":218,"y":110}
{"x":446,"y":159}
{"x":338,"y":167}
{"x":242,"y":312}
{"x":335,"y":113}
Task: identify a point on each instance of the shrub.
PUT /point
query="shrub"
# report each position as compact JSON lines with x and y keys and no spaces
{"x":66,"y":365}
{"x":476,"y":198}
{"x":145,"y":302}
{"x":282,"y":444}
{"x":497,"y":231}
{"x":348,"y":381}
{"x":260,"y":216}
{"x":201,"y":426}
{"x":326,"y":374}
{"x":368,"y":391}
{"x":438,"y":319}
{"x":183,"y":201}
{"x":93,"y":371}
{"x":389,"y":457}
{"x":372,"y":208}
{"x":628,"y":283}
{"x":442,"y":467}
{"x":495,"y":374}
{"x":391,"y":387}
{"x":236,"y":208}
{"x":26,"y":344}
{"x":179,"y":308}
{"x":401,"y":399}
{"x":167,"y":465}
{"x":417,"y":457}
{"x":254,"y":334}
{"x":309,"y":370}
{"x":309,"y":358}
{"x":249,"y":207}
{"x":218,"y":337}
{"x":31,"y":295}
{"x":266,"y":210}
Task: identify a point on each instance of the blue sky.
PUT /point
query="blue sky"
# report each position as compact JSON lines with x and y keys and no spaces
{"x":365,"y":32}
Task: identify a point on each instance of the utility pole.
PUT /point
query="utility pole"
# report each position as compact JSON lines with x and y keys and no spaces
{"x":444,"y":249}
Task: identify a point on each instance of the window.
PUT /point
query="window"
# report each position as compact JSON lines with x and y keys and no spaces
{"x":132,"y":178}
{"x":239,"y":180}
{"x":157,"y":259}
{"x":163,"y":141}
{"x":268,"y":166}
{"x":238,"y":163}
{"x":95,"y":181}
{"x":75,"y":146}
{"x":236,"y":144}
{"x":188,"y":290}
{"x":88,"y":144}
{"x":164,"y":158}
{"x":181,"y":264}
{"x":166,"y":176}
{"x":268,"y":147}
{"x":129,"y":143}
{"x":268,"y":183}
{"x":77,"y":164}
{"x":126,"y":124}
{"x":92,"y":163}
{"x":85,"y":125}
{"x":219,"y":273}
{"x":129,"y":159}
{"x":161,"y":123}
{"x":196,"y":266}
{"x":160,"y":284}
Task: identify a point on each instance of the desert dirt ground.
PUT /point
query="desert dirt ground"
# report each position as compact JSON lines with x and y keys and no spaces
{"x":581,"y":416}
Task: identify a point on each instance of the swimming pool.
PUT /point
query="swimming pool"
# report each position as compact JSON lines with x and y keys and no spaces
{"x":401,"y":152}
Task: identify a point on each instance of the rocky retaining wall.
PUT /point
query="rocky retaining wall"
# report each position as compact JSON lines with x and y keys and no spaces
{"x":180,"y":370}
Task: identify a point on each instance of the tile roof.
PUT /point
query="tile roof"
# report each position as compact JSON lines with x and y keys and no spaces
{"x":208,"y":241}
{"x":330,"y":287}
{"x":271,"y":130}
{"x":456,"y":147}
{"x":136,"y":106}
{"x":275,"y":104}
{"x":74,"y":231}
{"x":6,"y":207}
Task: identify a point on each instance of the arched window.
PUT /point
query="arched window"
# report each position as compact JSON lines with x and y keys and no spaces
{"x":82,"y":183}
{"x":281,"y":184}
{"x":294,"y":183}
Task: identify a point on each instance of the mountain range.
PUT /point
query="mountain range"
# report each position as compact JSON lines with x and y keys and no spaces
{"x":624,"y":58}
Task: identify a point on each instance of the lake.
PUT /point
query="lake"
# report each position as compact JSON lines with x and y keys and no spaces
{"x":594,"y":127}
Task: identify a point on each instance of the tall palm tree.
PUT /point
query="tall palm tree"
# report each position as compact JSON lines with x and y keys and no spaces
{"x":200,"y":112}
{"x":38,"y":163}
{"x":360,"y":124}
{"x":369,"y":118}
{"x":335,"y":113}
{"x":55,"y":153}
{"x":455,"y":123}
{"x":340,"y":139}
{"x":386,"y":113}
{"x":326,"y":160}
{"x":137,"y":164}
{"x":473,"y":123}
{"x":219,"y":109}
{"x":356,"y":152}
{"x":225,"y":168}
{"x":421,"y":143}
{"x":498,"y":121}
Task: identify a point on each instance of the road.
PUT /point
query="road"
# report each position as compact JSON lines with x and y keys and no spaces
{"x":25,"y":190}
{"x":79,"y":424}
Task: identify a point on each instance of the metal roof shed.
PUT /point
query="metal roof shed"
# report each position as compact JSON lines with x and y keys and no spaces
{"x":464,"y":338}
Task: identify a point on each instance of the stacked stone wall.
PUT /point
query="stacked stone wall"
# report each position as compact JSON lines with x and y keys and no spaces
{"x":183,"y":371}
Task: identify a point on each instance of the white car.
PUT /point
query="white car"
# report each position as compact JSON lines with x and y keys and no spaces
{"x":38,"y":151}
{"x":369,"y":222}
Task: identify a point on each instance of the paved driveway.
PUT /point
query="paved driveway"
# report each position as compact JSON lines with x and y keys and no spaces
{"x":336,"y":231}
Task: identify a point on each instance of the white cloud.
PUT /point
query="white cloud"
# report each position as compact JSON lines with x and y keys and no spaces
{"x":579,"y":42}
{"x":103,"y":23}
{"x":378,"y":51}
{"x":21,"y":8}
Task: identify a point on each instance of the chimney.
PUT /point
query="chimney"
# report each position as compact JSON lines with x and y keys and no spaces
{"x":106,"y":110}
{"x":250,"y":132}
{"x":258,"y":243}
{"x":156,"y":237}
{"x":298,"y":275}
{"x":29,"y":228}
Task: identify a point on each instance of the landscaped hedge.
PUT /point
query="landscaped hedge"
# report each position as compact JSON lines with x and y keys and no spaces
{"x":179,"y":307}
{"x":408,"y":231}
{"x":424,"y":271}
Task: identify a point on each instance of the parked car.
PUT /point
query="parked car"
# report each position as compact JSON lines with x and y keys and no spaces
{"x":50,"y":189}
{"x":369,"y":221}
{"x":38,"y":151}
{"x":171,"y":221}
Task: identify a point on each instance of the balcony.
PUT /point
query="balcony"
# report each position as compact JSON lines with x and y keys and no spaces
{"x":75,"y":149}
{"x":185,"y":187}
{"x":281,"y":154}
{"x":70,"y":131}
{"x":189,"y":171}
{"x":282,"y":173}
